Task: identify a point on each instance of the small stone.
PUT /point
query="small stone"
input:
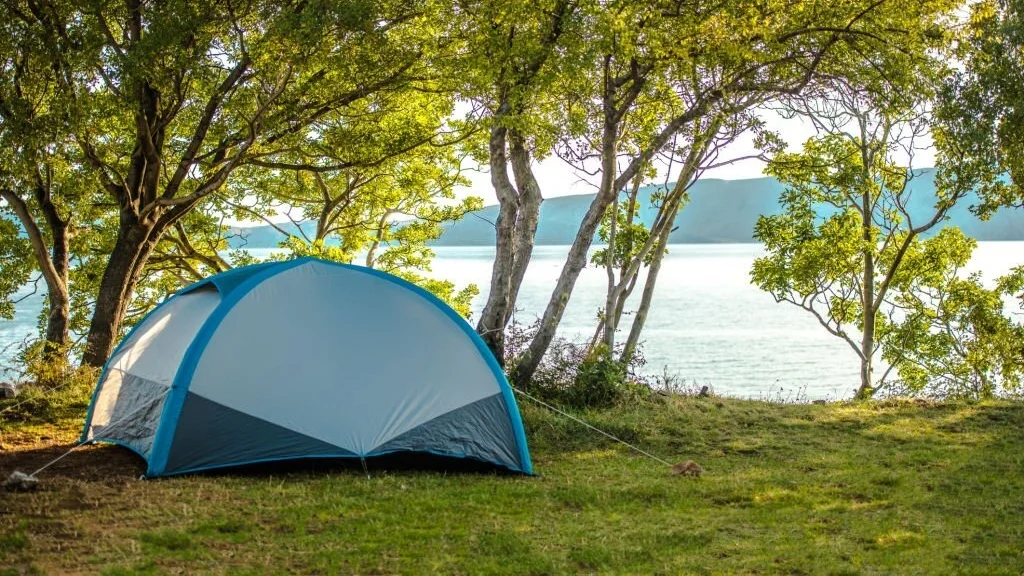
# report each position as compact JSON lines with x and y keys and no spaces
{"x":21,"y":482}
{"x":818,"y":402}
{"x":7,"y":390}
{"x":705,"y":392}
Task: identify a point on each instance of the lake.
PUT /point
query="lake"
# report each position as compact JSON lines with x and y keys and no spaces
{"x":707,"y":323}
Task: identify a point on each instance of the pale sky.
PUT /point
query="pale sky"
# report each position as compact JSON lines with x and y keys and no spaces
{"x":557,"y":178}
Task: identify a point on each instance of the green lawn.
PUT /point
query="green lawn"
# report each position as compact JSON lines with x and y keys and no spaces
{"x":878,"y":488}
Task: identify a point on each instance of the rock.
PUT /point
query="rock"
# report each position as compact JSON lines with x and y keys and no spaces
{"x":687,"y":468}
{"x":818,"y":402}
{"x":21,"y":482}
{"x":705,"y":392}
{"x":7,"y":390}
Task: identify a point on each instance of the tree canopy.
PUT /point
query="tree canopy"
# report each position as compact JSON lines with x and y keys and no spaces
{"x":136,"y":131}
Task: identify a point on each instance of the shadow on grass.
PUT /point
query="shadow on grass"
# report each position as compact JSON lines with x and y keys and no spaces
{"x":91,"y":463}
{"x":99,"y":462}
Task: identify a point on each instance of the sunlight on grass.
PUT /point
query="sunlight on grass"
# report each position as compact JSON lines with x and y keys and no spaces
{"x":787,"y":489}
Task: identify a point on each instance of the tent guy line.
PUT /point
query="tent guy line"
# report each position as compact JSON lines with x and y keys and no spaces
{"x":79,"y":443}
{"x":594,"y":428}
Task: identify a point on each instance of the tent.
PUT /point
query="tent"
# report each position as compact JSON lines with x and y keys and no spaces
{"x":304,"y":359}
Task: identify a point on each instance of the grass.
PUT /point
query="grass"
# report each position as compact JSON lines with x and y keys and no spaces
{"x":875,"y":488}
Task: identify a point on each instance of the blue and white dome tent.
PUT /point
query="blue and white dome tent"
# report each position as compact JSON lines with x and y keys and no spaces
{"x":304,"y":359}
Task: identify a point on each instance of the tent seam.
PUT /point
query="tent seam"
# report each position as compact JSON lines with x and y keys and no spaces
{"x":186,"y":371}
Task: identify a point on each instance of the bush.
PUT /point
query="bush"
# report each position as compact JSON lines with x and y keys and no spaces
{"x":574,"y":375}
{"x":49,"y":388}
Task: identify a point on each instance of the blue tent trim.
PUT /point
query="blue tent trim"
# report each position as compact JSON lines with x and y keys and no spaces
{"x":239,"y":283}
{"x":227,"y":282}
{"x":183,"y":378}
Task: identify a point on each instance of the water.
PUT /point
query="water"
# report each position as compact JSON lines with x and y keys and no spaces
{"x":707,"y":323}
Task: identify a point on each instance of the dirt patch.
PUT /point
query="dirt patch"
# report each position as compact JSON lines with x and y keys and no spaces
{"x":93,"y":463}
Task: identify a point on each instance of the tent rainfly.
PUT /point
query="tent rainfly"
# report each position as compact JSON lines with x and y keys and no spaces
{"x":304,"y":359}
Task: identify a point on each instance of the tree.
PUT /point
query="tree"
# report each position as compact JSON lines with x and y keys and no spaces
{"x":980,"y":111}
{"x":848,"y":223}
{"x":32,"y":208}
{"x":675,"y":64}
{"x":513,"y":54}
{"x":404,"y":163}
{"x":950,"y":336}
{"x":165,"y":100}
{"x":698,"y":147}
{"x":41,"y":181}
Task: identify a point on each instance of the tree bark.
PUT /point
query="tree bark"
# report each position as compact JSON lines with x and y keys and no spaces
{"x":491,"y":325}
{"x":574,"y":264}
{"x":53,"y":261}
{"x":639,"y":320}
{"x":867,"y":300}
{"x":577,"y":258}
{"x":59,"y":317}
{"x":528,"y":218}
{"x":135,"y":241}
{"x":611,"y":322}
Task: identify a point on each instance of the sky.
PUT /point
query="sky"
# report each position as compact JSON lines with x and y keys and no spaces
{"x":557,"y":178}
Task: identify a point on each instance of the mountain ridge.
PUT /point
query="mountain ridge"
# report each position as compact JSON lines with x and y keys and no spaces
{"x":718,"y":211}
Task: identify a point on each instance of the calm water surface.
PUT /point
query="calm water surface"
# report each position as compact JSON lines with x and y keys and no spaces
{"x":707,"y":324}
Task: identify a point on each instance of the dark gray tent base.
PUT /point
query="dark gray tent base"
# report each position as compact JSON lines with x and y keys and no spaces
{"x":393,"y":462}
{"x":210,"y":435}
{"x":385,"y":463}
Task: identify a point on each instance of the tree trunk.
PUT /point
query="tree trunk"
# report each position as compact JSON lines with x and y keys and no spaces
{"x":611,"y":322}
{"x":491,"y":325}
{"x":528,"y":218}
{"x":52,"y":261}
{"x":867,"y":301}
{"x":662,"y":229}
{"x":633,"y":340}
{"x":59,"y":316}
{"x":577,"y":258}
{"x":574,"y":264}
{"x":134,"y":243}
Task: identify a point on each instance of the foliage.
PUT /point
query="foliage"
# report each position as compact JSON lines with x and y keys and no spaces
{"x":161,"y":103}
{"x":576,"y":374}
{"x":15,"y":264}
{"x":49,"y":390}
{"x":630,"y":233}
{"x":954,"y":338}
{"x":980,"y":130}
{"x":888,"y":487}
{"x":846,"y":247}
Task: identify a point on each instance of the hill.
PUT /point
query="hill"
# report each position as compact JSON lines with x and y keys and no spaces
{"x":719,"y":211}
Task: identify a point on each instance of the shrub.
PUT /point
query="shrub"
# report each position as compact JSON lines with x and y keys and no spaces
{"x":572,"y":374}
{"x":49,"y":387}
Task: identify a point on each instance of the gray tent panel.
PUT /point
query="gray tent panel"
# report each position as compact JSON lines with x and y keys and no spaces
{"x":211,"y":435}
{"x":135,"y":414}
{"x":130,"y":396}
{"x":480,"y":430}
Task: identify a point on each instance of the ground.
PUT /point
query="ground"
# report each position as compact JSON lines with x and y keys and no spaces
{"x":844,"y":488}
